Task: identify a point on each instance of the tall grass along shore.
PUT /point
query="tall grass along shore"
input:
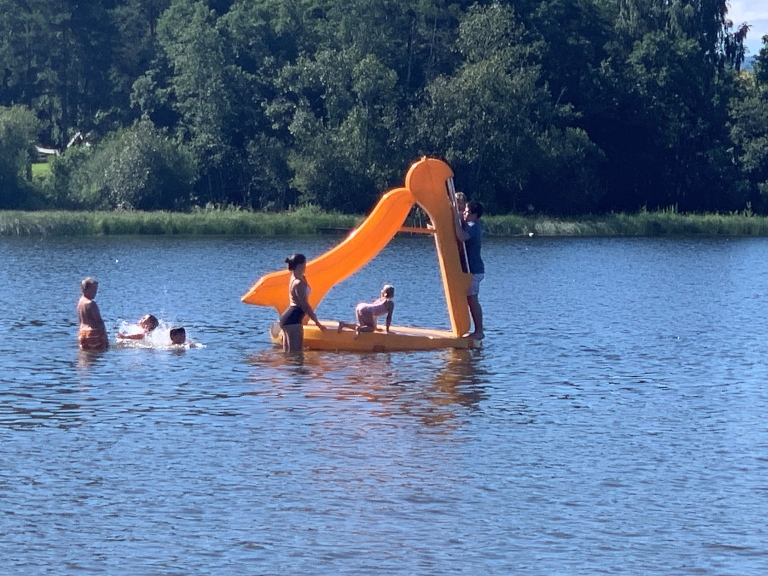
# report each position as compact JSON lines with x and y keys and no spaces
{"x":310,"y":221}
{"x":305,"y":221}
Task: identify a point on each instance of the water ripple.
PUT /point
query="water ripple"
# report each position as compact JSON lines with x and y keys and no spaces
{"x":612,"y":423}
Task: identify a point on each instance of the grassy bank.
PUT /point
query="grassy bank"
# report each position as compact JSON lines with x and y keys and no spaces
{"x":306,"y":221}
{"x":663,"y":223}
{"x":309,"y":221}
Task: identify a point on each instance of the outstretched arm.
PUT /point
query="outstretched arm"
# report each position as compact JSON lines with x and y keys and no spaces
{"x":389,"y":314}
{"x":461,"y":234}
{"x":130,"y":336}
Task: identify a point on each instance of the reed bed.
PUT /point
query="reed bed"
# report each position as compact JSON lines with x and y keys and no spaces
{"x":312,"y":221}
{"x":662,"y":223}
{"x":203,"y":222}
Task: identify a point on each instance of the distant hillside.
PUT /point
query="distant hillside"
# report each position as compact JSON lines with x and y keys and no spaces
{"x":749,"y":63}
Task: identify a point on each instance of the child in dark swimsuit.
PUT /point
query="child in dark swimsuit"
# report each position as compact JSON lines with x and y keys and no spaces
{"x":367,"y":312}
{"x":291,"y":321}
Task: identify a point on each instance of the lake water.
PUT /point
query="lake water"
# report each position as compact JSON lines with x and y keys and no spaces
{"x":614,"y":421}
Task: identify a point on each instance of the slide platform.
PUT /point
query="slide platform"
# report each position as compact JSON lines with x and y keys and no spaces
{"x":399,"y":339}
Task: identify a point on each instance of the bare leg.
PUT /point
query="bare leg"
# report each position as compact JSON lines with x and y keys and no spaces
{"x":293,"y":337}
{"x":477,"y":317}
{"x":343,"y":325}
{"x":363,"y":328}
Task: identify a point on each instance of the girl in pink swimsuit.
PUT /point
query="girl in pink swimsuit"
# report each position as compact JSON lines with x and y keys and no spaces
{"x":367,"y":312}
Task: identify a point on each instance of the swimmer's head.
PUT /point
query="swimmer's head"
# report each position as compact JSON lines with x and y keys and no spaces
{"x":388,"y":291}
{"x":89,"y":286}
{"x":295,"y":261}
{"x":178,"y":335}
{"x":148,"y":322}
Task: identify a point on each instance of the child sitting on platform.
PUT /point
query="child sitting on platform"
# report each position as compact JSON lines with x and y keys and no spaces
{"x":367,"y":313}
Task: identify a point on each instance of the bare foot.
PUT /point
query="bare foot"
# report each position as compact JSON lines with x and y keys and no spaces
{"x":477,"y":335}
{"x":341,"y":327}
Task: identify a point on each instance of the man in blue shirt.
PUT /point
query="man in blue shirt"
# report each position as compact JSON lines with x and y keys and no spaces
{"x":470,"y":231}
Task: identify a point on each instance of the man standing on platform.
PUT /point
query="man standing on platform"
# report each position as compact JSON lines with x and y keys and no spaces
{"x":470,"y":231}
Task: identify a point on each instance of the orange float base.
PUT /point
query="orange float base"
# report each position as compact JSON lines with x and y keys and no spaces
{"x":399,"y":339}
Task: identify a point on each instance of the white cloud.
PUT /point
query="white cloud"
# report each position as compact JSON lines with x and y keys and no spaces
{"x":754,"y":13}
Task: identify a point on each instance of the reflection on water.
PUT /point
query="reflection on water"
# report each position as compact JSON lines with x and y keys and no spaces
{"x":423,"y":385}
{"x":613,"y":422}
{"x":87,"y":358}
{"x":461,"y":380}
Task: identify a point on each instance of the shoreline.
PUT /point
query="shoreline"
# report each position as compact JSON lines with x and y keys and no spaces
{"x":311,"y":221}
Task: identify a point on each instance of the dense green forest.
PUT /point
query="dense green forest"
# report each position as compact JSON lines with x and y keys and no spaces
{"x":540,"y":106}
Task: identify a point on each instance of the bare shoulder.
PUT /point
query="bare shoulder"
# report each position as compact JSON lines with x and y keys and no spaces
{"x":297,"y":285}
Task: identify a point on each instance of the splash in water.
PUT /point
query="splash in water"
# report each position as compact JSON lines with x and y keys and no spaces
{"x":159,"y":338}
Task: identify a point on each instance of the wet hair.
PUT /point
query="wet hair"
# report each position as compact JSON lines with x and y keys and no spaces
{"x":475,"y":208}
{"x":388,"y":291}
{"x":87,"y":283}
{"x":295,"y":260}
{"x":149,"y":322}
{"x":178,"y":334}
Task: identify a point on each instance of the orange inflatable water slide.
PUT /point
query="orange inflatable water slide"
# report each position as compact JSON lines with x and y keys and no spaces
{"x":429,"y":183}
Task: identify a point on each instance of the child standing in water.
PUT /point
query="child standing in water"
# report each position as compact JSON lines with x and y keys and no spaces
{"x":292,"y":320}
{"x":93,"y":333}
{"x":367,"y":313}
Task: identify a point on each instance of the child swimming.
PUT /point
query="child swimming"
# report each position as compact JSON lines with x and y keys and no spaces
{"x":146,"y":323}
{"x":367,"y":312}
{"x":154,"y":333}
{"x":178,"y":335}
{"x":179,"y":338}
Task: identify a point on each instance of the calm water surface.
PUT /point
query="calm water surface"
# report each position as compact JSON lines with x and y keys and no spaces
{"x":614,"y":422}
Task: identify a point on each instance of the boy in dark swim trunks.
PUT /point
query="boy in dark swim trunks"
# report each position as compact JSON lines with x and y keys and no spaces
{"x":93,"y":333}
{"x":470,"y":231}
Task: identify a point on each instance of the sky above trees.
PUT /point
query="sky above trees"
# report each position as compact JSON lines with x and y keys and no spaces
{"x":754,"y":13}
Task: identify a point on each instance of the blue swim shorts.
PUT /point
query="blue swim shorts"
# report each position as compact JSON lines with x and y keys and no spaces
{"x":474,"y":290}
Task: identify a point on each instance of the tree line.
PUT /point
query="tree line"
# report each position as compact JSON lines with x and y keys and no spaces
{"x":546,"y":106}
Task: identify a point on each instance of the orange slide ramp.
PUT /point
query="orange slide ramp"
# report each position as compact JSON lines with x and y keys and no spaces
{"x":429,"y":183}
